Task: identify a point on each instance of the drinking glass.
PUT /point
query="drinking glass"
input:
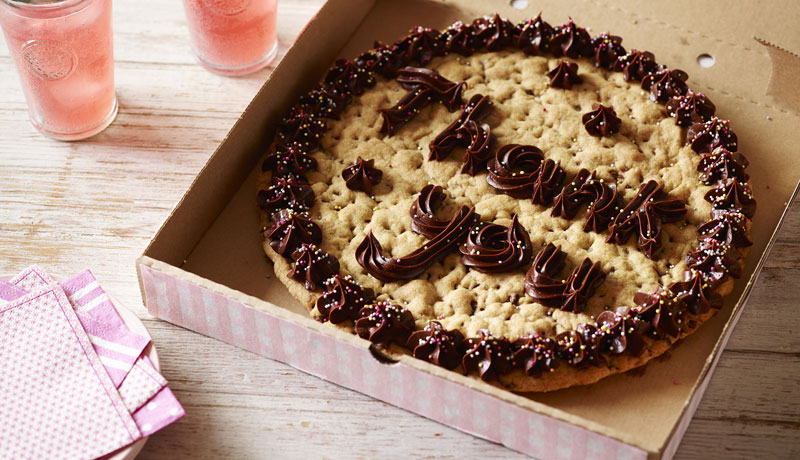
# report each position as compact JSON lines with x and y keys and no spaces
{"x":63,"y":52}
{"x":233,"y":37}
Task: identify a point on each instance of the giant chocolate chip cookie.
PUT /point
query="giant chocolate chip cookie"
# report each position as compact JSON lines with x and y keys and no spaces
{"x":521,"y":202}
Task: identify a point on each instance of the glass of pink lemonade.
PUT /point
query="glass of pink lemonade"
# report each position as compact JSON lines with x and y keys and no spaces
{"x":63,"y":52}
{"x":233,"y":37}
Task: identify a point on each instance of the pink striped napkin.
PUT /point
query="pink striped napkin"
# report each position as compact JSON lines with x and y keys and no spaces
{"x":53,"y":383}
{"x":89,"y":298}
{"x":119,"y":349}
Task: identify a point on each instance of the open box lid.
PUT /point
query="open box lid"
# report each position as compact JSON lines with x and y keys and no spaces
{"x":212,"y":231}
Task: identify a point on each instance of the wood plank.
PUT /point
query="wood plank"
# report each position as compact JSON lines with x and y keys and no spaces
{"x":98,"y":202}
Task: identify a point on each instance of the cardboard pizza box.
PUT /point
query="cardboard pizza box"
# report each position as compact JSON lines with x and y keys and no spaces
{"x":205,"y":269}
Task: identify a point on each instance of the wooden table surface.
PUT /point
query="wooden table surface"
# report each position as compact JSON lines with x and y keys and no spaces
{"x":96,"y":204}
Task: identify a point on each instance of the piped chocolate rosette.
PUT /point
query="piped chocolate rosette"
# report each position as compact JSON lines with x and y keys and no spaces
{"x":373,"y":283}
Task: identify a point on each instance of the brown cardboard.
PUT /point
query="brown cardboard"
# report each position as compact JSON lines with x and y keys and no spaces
{"x":213,"y":231}
{"x":783,"y":85}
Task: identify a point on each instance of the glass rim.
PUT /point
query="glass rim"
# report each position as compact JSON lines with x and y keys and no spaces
{"x":41,"y":5}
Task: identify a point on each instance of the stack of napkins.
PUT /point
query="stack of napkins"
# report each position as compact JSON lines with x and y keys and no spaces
{"x":74,"y":382}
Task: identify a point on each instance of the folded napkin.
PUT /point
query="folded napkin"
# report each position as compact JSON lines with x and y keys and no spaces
{"x":147,"y":384}
{"x":117,"y":347}
{"x":142,"y":390}
{"x":57,"y":401}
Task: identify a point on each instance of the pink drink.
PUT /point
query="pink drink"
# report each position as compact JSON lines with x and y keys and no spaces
{"x":233,"y":37}
{"x":63,"y":52}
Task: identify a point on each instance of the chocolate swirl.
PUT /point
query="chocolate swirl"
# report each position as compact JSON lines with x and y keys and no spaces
{"x":564,"y":75}
{"x":604,"y":203}
{"x":369,"y":252}
{"x":460,"y":39}
{"x":492,"y":248}
{"x":300,"y":130}
{"x":535,"y":354}
{"x":636,"y":65}
{"x":570,"y":295}
{"x":621,"y":332}
{"x":581,"y":285}
{"x":549,"y":179}
{"x":646,"y":213}
{"x":348,"y":77}
{"x":286,"y":193}
{"x":445,"y":91}
{"x":487,"y":355}
{"x":533,"y":36}
{"x":406,"y":108}
{"x":606,"y":50}
{"x":662,"y":311}
{"x":696,"y":294}
{"x":383,"y":323}
{"x":665,"y":84}
{"x":476,"y":110}
{"x":342,"y":299}
{"x":540,"y":280}
{"x":382,"y":59}
{"x":423,"y":219}
{"x":732,"y":195}
{"x":362,"y":175}
{"x":571,"y":197}
{"x":324,"y":101}
{"x":446,"y":141}
{"x":290,"y":230}
{"x":424,"y":87}
{"x":728,"y":227}
{"x":437,"y":345}
{"x":580,"y":347}
{"x":715,"y":260}
{"x":421,"y":45}
{"x":373,"y":59}
{"x":514,"y":169}
{"x":495,"y":33}
{"x":706,"y":136}
{"x":602,"y":121}
{"x":690,"y":108}
{"x":722,"y":165}
{"x":479,"y":147}
{"x":312,"y":266}
{"x":571,"y":41}
{"x":289,"y":163}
